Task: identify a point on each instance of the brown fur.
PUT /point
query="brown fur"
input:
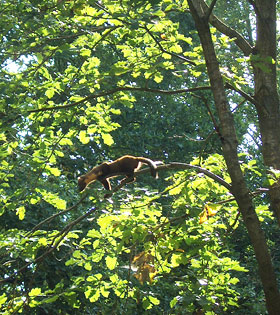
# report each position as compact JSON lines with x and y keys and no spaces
{"x":126,"y":164}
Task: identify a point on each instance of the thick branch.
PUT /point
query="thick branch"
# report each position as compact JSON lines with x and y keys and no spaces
{"x":211,"y":7}
{"x":173,"y":165}
{"x":242,"y":93}
{"x":240,"y":41}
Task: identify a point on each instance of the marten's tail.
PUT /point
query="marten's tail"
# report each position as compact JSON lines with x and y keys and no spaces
{"x":151,"y":164}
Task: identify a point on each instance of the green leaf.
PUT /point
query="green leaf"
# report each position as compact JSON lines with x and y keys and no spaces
{"x":21,"y":212}
{"x":173,"y":302}
{"x":53,"y":199}
{"x":3,"y":299}
{"x":107,"y":138}
{"x":83,"y":137}
{"x":93,"y":233}
{"x":111,"y":262}
{"x":85,"y":52}
{"x":154,"y":300}
{"x":88,"y":266}
{"x":77,"y":254}
{"x":93,"y":62}
{"x":147,"y":304}
{"x":55,"y":171}
{"x":51,"y":299}
{"x":50,"y":93}
{"x":35,"y":292}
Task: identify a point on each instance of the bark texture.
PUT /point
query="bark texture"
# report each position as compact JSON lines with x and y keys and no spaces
{"x":229,"y":145}
{"x":266,"y":95}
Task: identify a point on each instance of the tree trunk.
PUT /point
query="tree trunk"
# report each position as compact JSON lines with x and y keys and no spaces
{"x":266,"y":95}
{"x":229,"y":145}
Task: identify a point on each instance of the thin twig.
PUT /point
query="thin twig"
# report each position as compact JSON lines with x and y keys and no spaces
{"x":49,"y":219}
{"x":52,"y":246}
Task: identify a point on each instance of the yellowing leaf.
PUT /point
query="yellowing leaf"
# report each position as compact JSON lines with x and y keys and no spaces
{"x":166,"y":56}
{"x":203,"y":217}
{"x":95,"y":296}
{"x":212,"y":209}
{"x":60,"y":204}
{"x":33,"y":201}
{"x":158,"y":78}
{"x":43,"y":241}
{"x":145,"y":273}
{"x":176,"y":49}
{"x":65,"y":141}
{"x":176,"y":190}
{"x":175,"y":260}
{"x":104,"y":292}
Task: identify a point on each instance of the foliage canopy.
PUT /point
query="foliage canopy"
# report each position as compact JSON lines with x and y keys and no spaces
{"x":86,"y":81}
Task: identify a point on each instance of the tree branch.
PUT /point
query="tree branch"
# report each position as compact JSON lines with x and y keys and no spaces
{"x":239,"y":40}
{"x":242,"y":93}
{"x":52,"y":246}
{"x":116,"y":90}
{"x":210,"y":9}
{"x":49,"y":219}
{"x":174,"y":165}
{"x":168,"y":52}
{"x":62,"y":234}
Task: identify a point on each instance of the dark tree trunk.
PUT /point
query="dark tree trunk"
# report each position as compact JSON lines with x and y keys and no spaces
{"x":229,"y":145}
{"x":266,"y":95}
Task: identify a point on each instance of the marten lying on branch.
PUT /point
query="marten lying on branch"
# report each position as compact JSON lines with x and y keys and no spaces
{"x":126,"y":164}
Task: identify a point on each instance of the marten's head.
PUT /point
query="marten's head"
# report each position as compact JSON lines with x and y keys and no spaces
{"x":91,"y":176}
{"x":82,"y":183}
{"x":84,"y":180}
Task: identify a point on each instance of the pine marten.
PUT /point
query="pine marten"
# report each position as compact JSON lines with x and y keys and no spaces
{"x":126,"y":164}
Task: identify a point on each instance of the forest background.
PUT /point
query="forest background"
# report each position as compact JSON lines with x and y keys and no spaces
{"x":191,"y":83}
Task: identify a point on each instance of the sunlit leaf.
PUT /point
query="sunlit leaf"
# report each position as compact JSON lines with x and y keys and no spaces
{"x":35,"y":292}
{"x":3,"y":298}
{"x":83,"y":137}
{"x":50,"y":93}
{"x":21,"y":212}
{"x":88,"y":266}
{"x":111,"y":262}
{"x":203,"y":217}
{"x":107,"y":138}
{"x":212,"y":209}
